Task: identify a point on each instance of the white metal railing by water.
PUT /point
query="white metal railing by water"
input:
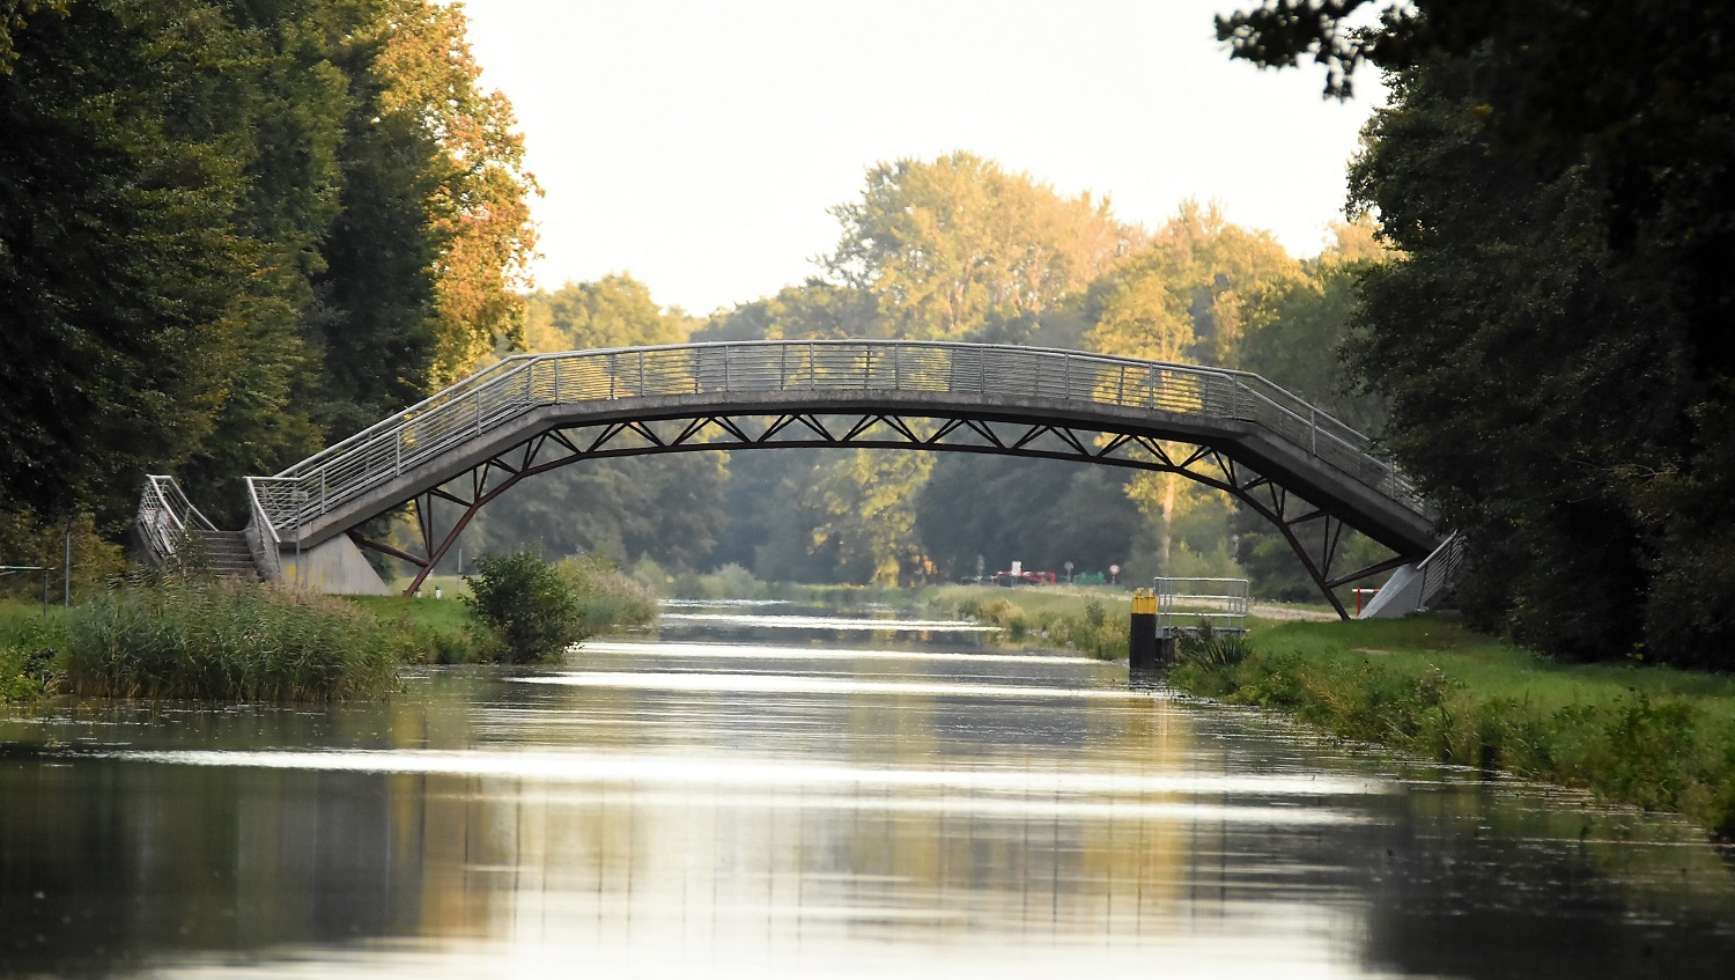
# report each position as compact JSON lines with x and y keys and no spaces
{"x":497,"y":395}
{"x":1221,"y":604}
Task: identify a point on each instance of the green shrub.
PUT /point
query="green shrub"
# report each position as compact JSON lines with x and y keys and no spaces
{"x":224,"y":640}
{"x":30,"y":645}
{"x":530,"y":607}
{"x":1212,"y":649}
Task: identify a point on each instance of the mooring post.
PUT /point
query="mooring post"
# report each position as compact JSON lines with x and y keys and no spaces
{"x":1142,"y":641}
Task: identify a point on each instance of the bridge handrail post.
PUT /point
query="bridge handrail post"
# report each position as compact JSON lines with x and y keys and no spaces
{"x":1120,"y":388}
{"x":1066,"y":378}
{"x":641,"y":391}
{"x":557,"y":362}
{"x":1313,"y":429}
{"x":728,"y":379}
{"x":782,"y":366}
{"x":812,"y":368}
{"x":867,"y":367}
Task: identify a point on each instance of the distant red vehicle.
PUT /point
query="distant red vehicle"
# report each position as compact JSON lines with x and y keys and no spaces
{"x":1004,"y":577}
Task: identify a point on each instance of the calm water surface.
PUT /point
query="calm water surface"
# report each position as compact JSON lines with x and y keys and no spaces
{"x":769,"y":790}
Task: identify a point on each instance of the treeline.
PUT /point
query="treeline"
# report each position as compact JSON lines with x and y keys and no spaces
{"x":957,"y":248}
{"x":1556,"y":346}
{"x":231,"y":230}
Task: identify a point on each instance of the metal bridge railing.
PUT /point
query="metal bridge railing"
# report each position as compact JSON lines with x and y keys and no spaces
{"x":1189,"y":604}
{"x":1440,"y":569}
{"x":165,"y":516}
{"x":501,"y":393}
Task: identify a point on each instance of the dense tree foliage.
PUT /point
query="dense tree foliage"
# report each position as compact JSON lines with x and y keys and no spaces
{"x":230,"y":230}
{"x":942,"y":245}
{"x":1555,"y":346}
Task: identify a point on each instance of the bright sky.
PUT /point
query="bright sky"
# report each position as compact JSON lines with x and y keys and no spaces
{"x":697,"y":145}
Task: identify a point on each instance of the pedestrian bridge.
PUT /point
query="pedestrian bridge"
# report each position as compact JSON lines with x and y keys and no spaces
{"x":1304,"y":470}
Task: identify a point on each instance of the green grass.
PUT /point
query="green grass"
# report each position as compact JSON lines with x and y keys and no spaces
{"x":450,"y":586}
{"x":1656,"y":737}
{"x":439,"y":631}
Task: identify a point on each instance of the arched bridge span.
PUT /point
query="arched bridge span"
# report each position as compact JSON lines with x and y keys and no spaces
{"x":1307,"y":472}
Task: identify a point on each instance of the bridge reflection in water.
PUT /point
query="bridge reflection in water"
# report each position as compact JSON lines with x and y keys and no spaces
{"x":969,"y":813}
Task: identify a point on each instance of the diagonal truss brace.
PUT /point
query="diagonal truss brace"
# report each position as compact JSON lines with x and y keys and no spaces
{"x":1203,"y":464}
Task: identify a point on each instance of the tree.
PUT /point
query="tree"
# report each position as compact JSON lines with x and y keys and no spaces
{"x":1308,"y":321}
{"x":427,"y":261}
{"x":1193,"y":294}
{"x":1554,"y":345}
{"x":1041,"y":512}
{"x":478,"y":211}
{"x":1189,"y":294}
{"x":230,"y":230}
{"x":121,"y":175}
{"x":942,"y":245}
{"x":868,"y":503}
{"x":615,"y":311}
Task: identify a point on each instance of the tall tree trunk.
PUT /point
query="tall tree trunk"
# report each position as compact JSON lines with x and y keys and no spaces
{"x":1165,"y":535}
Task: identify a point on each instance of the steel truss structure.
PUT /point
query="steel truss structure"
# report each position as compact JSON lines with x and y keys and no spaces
{"x":1312,"y":532}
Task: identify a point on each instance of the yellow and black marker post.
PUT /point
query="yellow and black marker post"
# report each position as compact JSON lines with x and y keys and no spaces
{"x":1142,"y":647}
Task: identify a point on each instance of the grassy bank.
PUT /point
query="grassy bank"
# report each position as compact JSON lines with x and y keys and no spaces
{"x":432,"y":631}
{"x":1650,"y":736}
{"x":1091,"y":621}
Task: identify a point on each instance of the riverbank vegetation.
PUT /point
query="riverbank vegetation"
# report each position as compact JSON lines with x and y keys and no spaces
{"x":225,"y":641}
{"x":557,"y":604}
{"x":230,"y":641}
{"x":1651,"y":736}
{"x":1091,"y":622}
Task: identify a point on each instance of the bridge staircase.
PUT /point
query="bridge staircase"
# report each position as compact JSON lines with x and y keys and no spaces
{"x":224,"y":554}
{"x":170,"y":532}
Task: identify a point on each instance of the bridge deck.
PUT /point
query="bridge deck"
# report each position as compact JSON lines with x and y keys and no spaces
{"x":1246,"y":418}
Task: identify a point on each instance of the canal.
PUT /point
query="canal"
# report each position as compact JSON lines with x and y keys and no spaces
{"x":765,"y":790}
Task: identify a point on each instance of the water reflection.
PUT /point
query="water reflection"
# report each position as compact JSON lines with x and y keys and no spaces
{"x":724,"y":808}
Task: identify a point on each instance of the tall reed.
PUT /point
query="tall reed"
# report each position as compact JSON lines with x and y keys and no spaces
{"x":232,"y":641}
